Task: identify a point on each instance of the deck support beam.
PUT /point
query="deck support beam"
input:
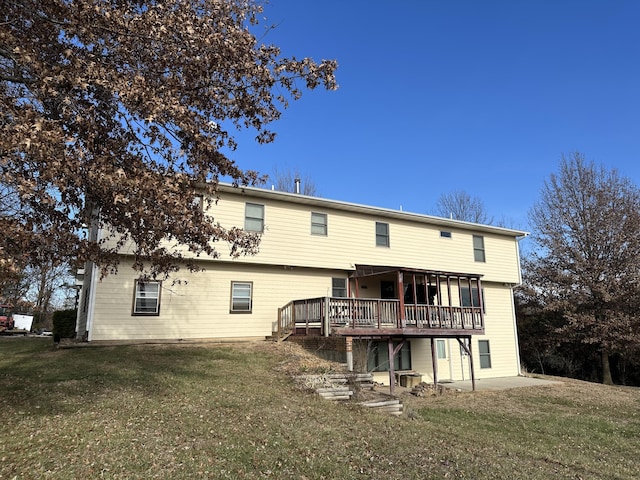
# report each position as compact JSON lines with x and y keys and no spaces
{"x":392,"y":368}
{"x":349,"y":348}
{"x":434,"y":362}
{"x":466,"y":346}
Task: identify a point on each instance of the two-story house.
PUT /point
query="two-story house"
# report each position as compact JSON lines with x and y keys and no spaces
{"x":434,"y":295}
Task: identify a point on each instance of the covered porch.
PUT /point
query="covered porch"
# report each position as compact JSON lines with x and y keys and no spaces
{"x":405,"y":303}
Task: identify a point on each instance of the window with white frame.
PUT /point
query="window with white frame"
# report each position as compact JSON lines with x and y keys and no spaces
{"x":478,"y":248}
{"x":441,"y":348}
{"x":485,"y":353}
{"x":382,"y":234}
{"x":318,"y":223}
{"x":241,"y":297}
{"x":254,"y":217}
{"x":146,"y":299}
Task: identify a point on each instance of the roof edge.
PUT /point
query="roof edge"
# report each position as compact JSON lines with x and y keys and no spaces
{"x":367,"y":209}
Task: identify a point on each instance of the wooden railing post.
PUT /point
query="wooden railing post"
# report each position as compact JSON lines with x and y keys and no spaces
{"x":278,"y":327}
{"x":326,"y":316}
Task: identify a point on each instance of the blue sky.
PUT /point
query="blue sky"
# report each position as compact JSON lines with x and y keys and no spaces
{"x":437,"y":96}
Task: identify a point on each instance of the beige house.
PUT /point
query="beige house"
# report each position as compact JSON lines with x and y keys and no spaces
{"x":431,"y":293}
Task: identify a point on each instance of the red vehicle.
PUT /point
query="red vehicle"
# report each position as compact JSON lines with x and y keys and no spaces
{"x":6,"y":318}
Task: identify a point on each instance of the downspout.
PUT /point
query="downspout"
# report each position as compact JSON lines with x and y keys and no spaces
{"x":92,"y":300}
{"x":513,"y":308}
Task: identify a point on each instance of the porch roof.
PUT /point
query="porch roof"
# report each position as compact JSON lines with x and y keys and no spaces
{"x":374,"y":270}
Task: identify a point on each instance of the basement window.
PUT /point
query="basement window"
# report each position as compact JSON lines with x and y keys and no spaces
{"x":485,"y":353}
{"x":378,"y":357}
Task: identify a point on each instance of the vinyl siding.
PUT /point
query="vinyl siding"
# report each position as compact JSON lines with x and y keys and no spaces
{"x":499,"y":330}
{"x":287,"y":239}
{"x":200,"y":308}
{"x":293,"y":264}
{"x":351,"y":240}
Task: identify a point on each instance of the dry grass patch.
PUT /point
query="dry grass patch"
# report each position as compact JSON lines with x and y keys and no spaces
{"x":233,"y":411}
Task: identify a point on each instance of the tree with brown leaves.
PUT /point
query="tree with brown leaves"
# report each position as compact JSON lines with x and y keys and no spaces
{"x":586,"y":259}
{"x":121,"y":113}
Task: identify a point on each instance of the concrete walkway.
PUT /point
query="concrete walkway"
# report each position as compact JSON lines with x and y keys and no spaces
{"x":502,"y":383}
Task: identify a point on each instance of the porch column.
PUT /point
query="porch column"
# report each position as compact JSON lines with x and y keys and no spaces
{"x":480,"y":302}
{"x":473,"y":372}
{"x":349,"y":348}
{"x":325,"y":319}
{"x":392,"y":370}
{"x":401,"y":299}
{"x":434,"y":362}
{"x":467,"y":348}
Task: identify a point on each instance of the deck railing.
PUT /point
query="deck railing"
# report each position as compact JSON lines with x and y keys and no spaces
{"x":323,"y":313}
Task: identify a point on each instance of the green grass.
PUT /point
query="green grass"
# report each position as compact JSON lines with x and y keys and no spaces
{"x":215,"y":411}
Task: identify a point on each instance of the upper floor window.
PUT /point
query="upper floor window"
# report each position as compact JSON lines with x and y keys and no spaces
{"x":382,"y":234}
{"x":254,"y":217}
{"x":445,"y":234}
{"x":241,"y":296}
{"x":318,"y":223}
{"x":146,"y":300}
{"x":478,"y":248}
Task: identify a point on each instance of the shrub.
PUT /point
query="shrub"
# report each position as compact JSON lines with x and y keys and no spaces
{"x":64,"y":324}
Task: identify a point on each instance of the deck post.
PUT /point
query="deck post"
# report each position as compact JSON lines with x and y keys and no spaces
{"x":326,"y":316}
{"x":349,"y":347}
{"x":434,"y":362}
{"x":467,"y":348}
{"x":473,"y":373}
{"x":392,"y":370}
{"x":401,"y":299}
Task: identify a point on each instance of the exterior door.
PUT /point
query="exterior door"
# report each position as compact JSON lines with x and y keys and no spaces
{"x":443,"y":354}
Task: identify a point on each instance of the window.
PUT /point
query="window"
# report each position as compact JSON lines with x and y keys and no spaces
{"x":254,"y":217}
{"x":387,"y":289}
{"x":378,"y":357}
{"x":241,"y":296}
{"x":485,"y":353}
{"x":478,"y":248}
{"x":470,"y":298}
{"x":318,"y":223}
{"x":198,"y":202}
{"x":382,"y":234}
{"x":146,"y":298}
{"x":441,"y":349}
{"x":338,"y":287}
{"x":445,"y":234}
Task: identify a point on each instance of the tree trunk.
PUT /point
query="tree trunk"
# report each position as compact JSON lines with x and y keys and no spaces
{"x":606,"y":369}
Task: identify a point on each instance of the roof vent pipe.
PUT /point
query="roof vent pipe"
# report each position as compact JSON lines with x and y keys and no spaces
{"x":297,"y":182}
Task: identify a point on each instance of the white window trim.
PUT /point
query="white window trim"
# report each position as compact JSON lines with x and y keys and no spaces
{"x":234,"y":310}
{"x":136,"y":297}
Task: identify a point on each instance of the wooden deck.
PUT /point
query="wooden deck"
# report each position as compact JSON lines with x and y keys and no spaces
{"x":360,"y":317}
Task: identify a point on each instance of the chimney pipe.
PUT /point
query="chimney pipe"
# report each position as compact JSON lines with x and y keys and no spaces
{"x":297,"y":182}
